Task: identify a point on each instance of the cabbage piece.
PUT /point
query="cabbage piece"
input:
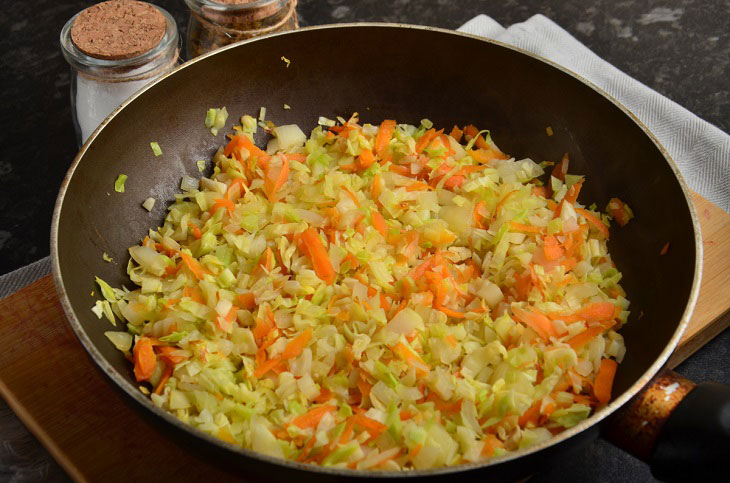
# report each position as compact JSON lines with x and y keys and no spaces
{"x":156,"y":149}
{"x":119,"y":183}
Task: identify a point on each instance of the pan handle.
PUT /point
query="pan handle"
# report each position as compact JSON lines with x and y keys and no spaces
{"x":680,"y":428}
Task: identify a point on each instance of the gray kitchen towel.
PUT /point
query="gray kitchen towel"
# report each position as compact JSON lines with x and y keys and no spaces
{"x":17,"y":279}
{"x":701,"y":150}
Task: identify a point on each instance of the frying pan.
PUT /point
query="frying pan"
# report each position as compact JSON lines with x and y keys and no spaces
{"x":405,"y":73}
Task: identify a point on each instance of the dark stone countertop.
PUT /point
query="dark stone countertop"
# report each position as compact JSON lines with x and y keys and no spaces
{"x":681,"y":48}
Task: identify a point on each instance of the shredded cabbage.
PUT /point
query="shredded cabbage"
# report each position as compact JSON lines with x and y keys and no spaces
{"x":215,"y":119}
{"x":149,"y":203}
{"x":156,"y":148}
{"x":119,"y":183}
{"x":373,"y":297}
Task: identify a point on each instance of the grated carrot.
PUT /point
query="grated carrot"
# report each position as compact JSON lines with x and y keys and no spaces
{"x":382,"y":139}
{"x":604,"y":380}
{"x":594,"y":220}
{"x":311,"y":418}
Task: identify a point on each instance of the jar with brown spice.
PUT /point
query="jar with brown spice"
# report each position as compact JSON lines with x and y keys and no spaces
{"x":216,"y":23}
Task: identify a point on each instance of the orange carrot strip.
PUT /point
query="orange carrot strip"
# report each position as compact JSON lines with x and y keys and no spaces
{"x":417,"y":448}
{"x":324,"y":396}
{"x":379,"y":223}
{"x":165,"y":376}
{"x":165,"y":353}
{"x":418,"y":186}
{"x":222,"y":203}
{"x":619,"y":211}
{"x":318,"y":255}
{"x":594,"y":220}
{"x":561,"y":169}
{"x":300,"y":157}
{"x":226,"y":323}
{"x":400,"y":169}
{"x":145,"y":359}
{"x":236,"y":182}
{"x":502,"y":202}
{"x":552,"y":248}
{"x":454,"y":181}
{"x":194,"y":294}
{"x":374,"y":427}
{"x":418,"y":272}
{"x":262,"y":328}
{"x":384,"y":303}
{"x":537,"y":321}
{"x":443,"y":406}
{"x":196,"y":231}
{"x":604,"y":380}
{"x":347,"y":433}
{"x":540,"y":191}
{"x":665,"y":249}
{"x":275,"y":179}
{"x":352,"y":195}
{"x":193,"y":265}
{"x":483,"y":156}
{"x":597,"y":311}
{"x":363,"y":386}
{"x":445,"y":141}
{"x":247,"y":300}
{"x":572,"y":195}
{"x":349,"y":167}
{"x":526,"y":228}
{"x":405,"y":415}
{"x":491,"y":443}
{"x":297,"y":345}
{"x":311,"y":418}
{"x":267,"y":366}
{"x":382,"y":139}
{"x":472,"y":132}
{"x":425,"y":140}
{"x":531,"y":415}
{"x":456,"y":133}
{"x":581,"y":339}
{"x":477,"y":215}
{"x":241,"y":141}
{"x":449,"y":312}
{"x":267,"y":259}
{"x":411,"y":358}
{"x":366,"y":158}
{"x":376,"y":187}
{"x":354,"y":262}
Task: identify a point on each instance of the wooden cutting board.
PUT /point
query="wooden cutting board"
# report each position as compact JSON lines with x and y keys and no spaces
{"x":49,"y":381}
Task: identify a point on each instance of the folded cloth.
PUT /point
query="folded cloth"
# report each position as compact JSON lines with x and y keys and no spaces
{"x":701,"y":150}
{"x":17,"y":279}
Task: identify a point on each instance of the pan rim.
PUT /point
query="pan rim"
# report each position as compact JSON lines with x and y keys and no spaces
{"x":132,"y":391}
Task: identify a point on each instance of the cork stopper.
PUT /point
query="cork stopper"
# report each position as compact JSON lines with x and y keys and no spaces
{"x":118,"y":29}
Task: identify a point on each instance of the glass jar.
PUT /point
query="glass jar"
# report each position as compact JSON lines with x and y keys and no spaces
{"x":215,"y":23}
{"x":99,"y":86}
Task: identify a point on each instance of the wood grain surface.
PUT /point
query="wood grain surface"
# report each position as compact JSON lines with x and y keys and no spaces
{"x":49,"y":381}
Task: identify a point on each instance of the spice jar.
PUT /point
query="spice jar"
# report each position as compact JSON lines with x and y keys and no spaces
{"x":114,"y":49}
{"x":215,"y":23}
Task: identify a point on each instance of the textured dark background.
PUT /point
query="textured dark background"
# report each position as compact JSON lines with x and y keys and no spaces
{"x":681,"y":48}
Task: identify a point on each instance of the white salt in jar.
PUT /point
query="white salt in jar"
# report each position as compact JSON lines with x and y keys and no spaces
{"x":114,"y":49}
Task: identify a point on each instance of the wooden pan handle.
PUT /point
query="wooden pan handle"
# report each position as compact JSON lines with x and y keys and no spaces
{"x":682,"y":429}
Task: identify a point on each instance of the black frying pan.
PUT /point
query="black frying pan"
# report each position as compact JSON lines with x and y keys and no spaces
{"x":404,"y":73}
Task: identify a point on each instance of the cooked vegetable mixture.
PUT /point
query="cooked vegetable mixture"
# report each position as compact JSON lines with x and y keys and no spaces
{"x":375,"y":297}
